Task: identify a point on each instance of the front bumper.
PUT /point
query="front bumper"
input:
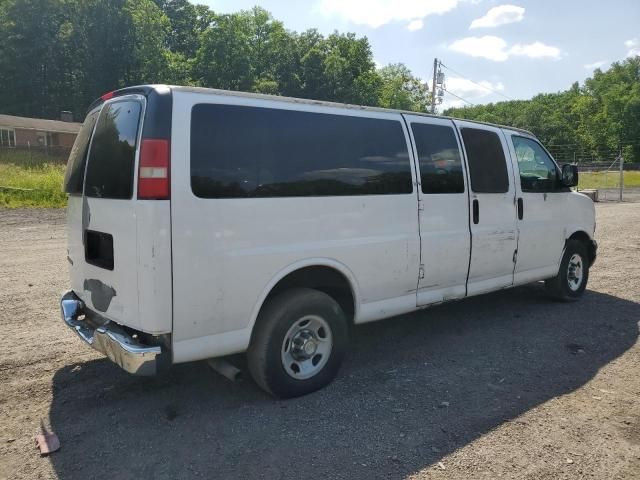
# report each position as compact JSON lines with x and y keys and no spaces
{"x":110,"y":339}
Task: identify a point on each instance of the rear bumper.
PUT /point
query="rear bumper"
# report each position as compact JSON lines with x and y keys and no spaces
{"x":110,"y":339}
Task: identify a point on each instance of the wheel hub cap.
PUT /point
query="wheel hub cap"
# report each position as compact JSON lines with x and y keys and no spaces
{"x":303,"y":345}
{"x":306,"y":347}
{"x":575,"y":272}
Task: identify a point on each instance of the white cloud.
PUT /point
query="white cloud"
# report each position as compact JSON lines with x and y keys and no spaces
{"x":473,"y":92}
{"x":536,"y":50}
{"x":594,"y":65}
{"x":500,"y":15}
{"x":470,"y":90}
{"x":489,"y":47}
{"x":634,"y":47}
{"x":498,"y":50}
{"x":415,"y":25}
{"x":375,"y":13}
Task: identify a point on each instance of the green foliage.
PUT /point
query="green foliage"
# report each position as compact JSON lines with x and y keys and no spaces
{"x":30,"y":181}
{"x":602,"y":115}
{"x":62,"y":54}
{"x":400,"y":89}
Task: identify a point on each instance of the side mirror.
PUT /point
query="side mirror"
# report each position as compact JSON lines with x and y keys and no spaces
{"x":569,"y":176}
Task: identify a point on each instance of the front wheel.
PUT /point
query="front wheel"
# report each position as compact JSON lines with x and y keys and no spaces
{"x":573,"y":275}
{"x":298,"y":343}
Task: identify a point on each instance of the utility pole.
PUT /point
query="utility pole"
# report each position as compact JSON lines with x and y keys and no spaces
{"x":433,"y":86}
{"x":621,"y":158}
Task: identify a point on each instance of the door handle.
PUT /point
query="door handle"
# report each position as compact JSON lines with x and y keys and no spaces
{"x":520,"y":209}
{"x":476,"y":211}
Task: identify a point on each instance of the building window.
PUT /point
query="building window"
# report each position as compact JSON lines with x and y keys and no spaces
{"x":53,"y":139}
{"x":7,"y":137}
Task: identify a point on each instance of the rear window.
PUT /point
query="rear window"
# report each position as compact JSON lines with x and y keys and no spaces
{"x":113,"y":150}
{"x":487,"y":164}
{"x":240,"y":152}
{"x":74,"y":176}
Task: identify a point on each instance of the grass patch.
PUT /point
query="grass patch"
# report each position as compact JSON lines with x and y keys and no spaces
{"x":31,"y":185}
{"x":608,"y":179}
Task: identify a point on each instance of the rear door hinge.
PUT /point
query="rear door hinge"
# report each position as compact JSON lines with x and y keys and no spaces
{"x":515,"y":256}
{"x":421,"y":272}
{"x":420,"y":205}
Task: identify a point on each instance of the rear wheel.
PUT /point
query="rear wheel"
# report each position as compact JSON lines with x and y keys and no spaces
{"x":573,"y":275}
{"x":298,"y":343}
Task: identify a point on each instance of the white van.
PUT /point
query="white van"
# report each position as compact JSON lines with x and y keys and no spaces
{"x":204,"y":223}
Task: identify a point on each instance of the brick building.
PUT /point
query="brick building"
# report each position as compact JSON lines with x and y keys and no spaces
{"x":24,"y":132}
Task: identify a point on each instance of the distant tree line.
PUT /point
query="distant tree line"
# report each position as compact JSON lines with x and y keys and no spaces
{"x":62,"y":54}
{"x":596,"y":119}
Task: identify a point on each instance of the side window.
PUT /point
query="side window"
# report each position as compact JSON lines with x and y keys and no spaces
{"x":112,"y":156}
{"x":487,"y":164}
{"x":439,"y":158}
{"x":240,"y":152}
{"x":538,"y":172}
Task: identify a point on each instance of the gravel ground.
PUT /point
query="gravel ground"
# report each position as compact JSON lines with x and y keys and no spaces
{"x":506,"y":385}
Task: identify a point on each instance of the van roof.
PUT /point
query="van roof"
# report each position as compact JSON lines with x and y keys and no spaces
{"x":305,"y":101}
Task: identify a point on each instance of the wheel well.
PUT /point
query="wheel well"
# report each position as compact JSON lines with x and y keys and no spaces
{"x":585,"y":239}
{"x":325,"y":279}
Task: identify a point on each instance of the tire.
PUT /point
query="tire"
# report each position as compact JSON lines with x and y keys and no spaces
{"x":571,"y":281}
{"x":298,"y":343}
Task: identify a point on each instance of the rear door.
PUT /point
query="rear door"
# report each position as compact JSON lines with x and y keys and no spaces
{"x":102,"y":224}
{"x":492,"y":205}
{"x":443,"y":210}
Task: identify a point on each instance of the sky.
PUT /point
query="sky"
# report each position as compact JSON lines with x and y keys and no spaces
{"x":494,"y":50}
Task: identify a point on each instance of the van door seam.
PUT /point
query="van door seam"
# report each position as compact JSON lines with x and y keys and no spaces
{"x":463,"y":152}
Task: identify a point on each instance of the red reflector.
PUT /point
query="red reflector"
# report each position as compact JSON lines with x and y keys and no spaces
{"x":107,"y":96}
{"x":153,"y":172}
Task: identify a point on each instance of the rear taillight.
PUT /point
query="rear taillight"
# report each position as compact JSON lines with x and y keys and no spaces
{"x":153,"y":173}
{"x":107,"y":96}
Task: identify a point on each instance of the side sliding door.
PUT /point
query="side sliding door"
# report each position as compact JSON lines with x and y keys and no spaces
{"x":443,"y":210}
{"x":493,"y":210}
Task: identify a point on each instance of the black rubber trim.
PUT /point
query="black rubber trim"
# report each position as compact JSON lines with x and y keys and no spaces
{"x":593,"y":252}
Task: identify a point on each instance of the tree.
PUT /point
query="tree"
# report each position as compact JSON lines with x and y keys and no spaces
{"x":401,"y":90}
{"x":598,"y":119}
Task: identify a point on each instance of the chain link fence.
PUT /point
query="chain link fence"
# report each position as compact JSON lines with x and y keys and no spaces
{"x":605,"y":174}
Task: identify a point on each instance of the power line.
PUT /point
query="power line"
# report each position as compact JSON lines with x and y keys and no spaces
{"x":459,"y":98}
{"x":475,"y":83}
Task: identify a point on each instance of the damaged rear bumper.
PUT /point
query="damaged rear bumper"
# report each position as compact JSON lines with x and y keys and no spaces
{"x":110,"y":339}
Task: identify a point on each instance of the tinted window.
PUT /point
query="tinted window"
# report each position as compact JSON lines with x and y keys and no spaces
{"x":74,"y":176}
{"x":538,"y":172}
{"x":112,"y":156}
{"x":487,"y":165}
{"x":439,"y":157}
{"x":261,"y":152}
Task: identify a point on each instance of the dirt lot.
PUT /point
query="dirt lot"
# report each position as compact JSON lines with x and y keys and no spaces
{"x":507,"y":385}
